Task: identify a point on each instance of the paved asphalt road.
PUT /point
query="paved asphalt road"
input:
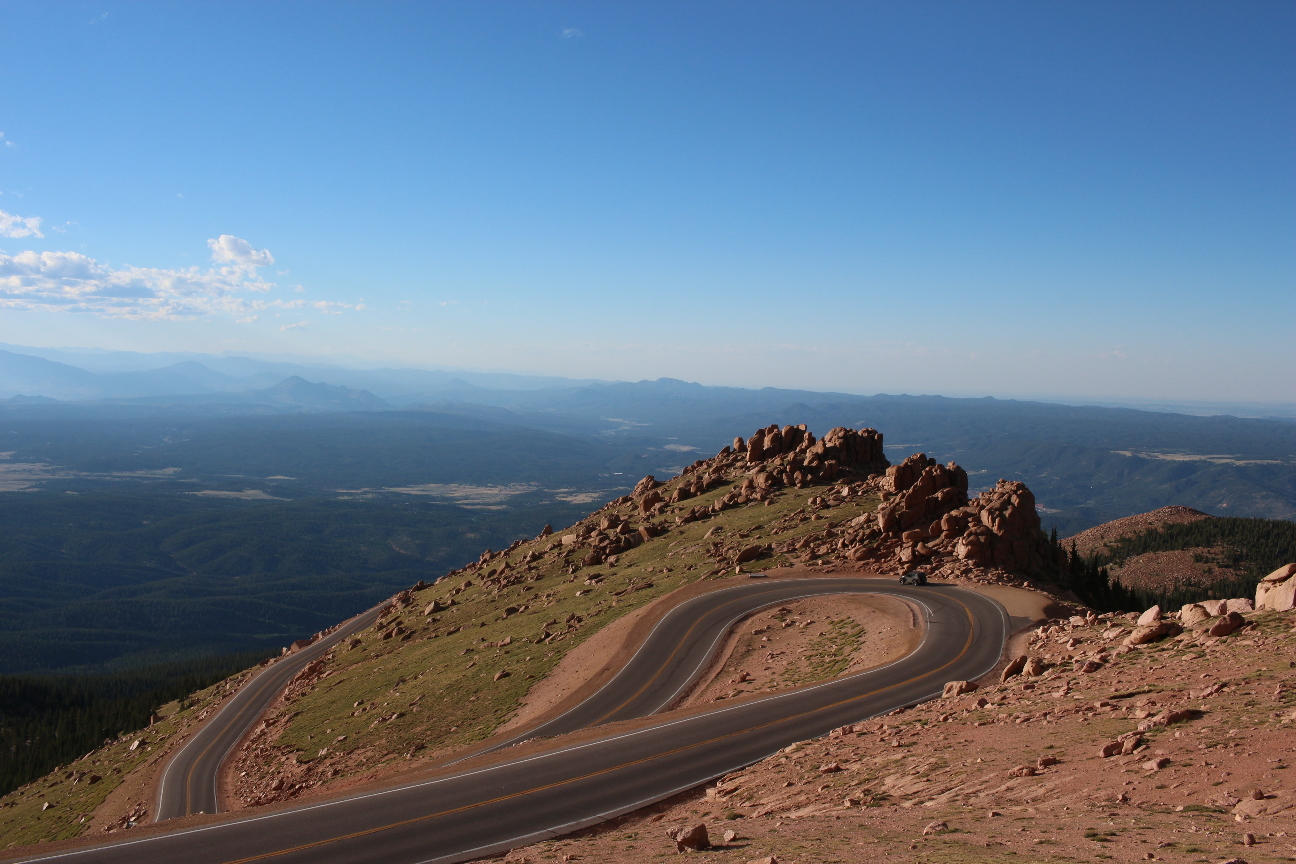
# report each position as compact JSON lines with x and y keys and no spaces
{"x":189,"y":781}
{"x":521,"y":799}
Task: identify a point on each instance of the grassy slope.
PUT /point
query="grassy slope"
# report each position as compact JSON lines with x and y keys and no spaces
{"x":71,"y":793}
{"x":441,"y":684}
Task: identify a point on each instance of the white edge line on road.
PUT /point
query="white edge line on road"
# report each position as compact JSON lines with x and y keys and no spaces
{"x":539,"y":756}
{"x":559,"y":830}
{"x":342,"y":631}
{"x":207,"y":724}
{"x":524,"y":736}
{"x":678,"y":609}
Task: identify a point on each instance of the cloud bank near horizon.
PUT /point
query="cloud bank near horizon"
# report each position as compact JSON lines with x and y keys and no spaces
{"x":61,"y":281}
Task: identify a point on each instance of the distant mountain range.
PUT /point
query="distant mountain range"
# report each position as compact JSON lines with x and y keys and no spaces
{"x":1086,"y":464}
{"x":28,"y":381}
{"x":88,"y":376}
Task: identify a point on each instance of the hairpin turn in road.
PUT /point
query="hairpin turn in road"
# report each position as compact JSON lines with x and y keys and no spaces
{"x":513,"y":799}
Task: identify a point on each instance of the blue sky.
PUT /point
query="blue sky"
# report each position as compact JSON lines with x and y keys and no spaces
{"x":1011,"y":199}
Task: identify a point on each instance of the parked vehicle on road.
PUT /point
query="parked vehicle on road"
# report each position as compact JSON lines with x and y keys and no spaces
{"x":914,"y":577}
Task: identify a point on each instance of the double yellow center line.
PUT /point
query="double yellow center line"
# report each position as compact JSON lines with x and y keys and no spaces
{"x":967,"y":645}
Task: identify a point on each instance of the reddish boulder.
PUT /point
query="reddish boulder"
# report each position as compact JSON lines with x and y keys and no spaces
{"x":1150,"y":617}
{"x":650,"y":500}
{"x":1226,"y":624}
{"x":690,"y":839}
{"x":957,"y":688}
{"x":645,"y":485}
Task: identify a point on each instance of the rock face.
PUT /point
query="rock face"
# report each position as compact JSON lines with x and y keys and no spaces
{"x":794,"y":450}
{"x":1003,"y":529}
{"x":1277,"y":591}
{"x":927,"y":507}
{"x":920,"y":492}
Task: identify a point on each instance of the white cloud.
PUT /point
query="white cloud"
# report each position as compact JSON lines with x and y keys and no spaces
{"x":6,"y":141}
{"x":228,"y":249}
{"x":300,"y":325}
{"x":571,"y":33}
{"x":19,"y":226}
{"x":70,"y":281}
{"x":330,"y":307}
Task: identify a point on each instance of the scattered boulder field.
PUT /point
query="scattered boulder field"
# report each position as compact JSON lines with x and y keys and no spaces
{"x":1049,"y":756}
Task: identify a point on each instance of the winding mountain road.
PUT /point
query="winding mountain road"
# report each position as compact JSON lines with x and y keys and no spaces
{"x":189,"y":782}
{"x":505,"y":800}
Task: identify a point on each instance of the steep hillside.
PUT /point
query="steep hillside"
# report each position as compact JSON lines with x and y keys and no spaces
{"x":452,"y":662}
{"x":1101,"y":538}
{"x":1177,"y":555}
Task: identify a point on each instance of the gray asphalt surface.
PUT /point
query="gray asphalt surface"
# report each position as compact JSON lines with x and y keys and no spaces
{"x":522,"y":799}
{"x":189,"y":781}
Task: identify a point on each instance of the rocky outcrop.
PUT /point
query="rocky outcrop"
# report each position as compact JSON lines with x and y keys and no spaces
{"x":1277,"y":591}
{"x":918,"y":492}
{"x":1003,"y":529}
{"x":925,"y":517}
{"x":644,"y":486}
{"x":926,"y":505}
{"x":792,"y":456}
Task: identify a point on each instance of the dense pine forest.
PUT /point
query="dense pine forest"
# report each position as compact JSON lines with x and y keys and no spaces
{"x":47,"y":721}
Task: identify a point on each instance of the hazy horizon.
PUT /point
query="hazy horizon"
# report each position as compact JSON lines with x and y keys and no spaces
{"x":158,"y":360}
{"x":1067,"y":202}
